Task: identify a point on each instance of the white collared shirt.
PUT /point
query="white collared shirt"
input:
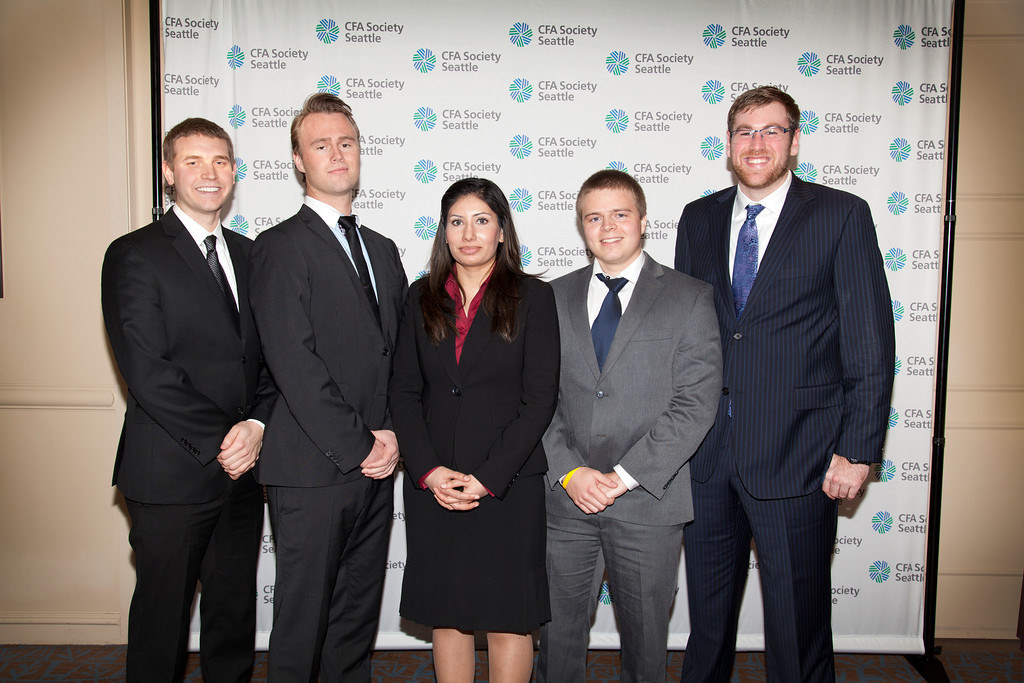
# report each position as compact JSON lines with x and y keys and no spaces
{"x":595,"y":297}
{"x":330,"y":216}
{"x":199,"y":234}
{"x":599,"y":290}
{"x":765,"y":221}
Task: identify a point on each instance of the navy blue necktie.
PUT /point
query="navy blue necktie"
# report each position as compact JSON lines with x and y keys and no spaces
{"x":607,"y":320}
{"x":744,"y":269}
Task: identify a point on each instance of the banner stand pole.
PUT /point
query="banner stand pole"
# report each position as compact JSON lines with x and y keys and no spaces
{"x":156,"y":98}
{"x":928,"y":664}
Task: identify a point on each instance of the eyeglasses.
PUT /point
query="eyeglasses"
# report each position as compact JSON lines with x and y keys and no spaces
{"x":767,"y":134}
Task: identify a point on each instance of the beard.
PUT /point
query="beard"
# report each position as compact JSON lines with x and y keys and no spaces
{"x":764,"y":176}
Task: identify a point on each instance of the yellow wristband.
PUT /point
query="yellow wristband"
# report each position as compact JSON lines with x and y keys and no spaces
{"x":566,"y":478}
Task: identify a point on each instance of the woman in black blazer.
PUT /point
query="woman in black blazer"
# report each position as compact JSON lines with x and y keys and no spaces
{"x":474,"y":387}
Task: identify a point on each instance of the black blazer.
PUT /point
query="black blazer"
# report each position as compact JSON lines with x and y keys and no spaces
{"x":485,"y":415}
{"x":321,"y":341}
{"x":191,"y":374}
{"x":809,"y":364}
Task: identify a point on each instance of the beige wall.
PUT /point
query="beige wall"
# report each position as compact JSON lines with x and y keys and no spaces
{"x":74,"y":169}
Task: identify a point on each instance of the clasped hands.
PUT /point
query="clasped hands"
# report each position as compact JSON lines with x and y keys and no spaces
{"x":454,"y":490}
{"x":240,"y":448}
{"x":593,"y":491}
{"x":383,"y":457}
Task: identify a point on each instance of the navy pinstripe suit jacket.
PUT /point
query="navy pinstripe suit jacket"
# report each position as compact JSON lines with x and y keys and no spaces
{"x":808,"y":367}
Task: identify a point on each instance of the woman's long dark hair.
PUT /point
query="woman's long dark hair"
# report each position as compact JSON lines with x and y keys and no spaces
{"x":501,"y":297}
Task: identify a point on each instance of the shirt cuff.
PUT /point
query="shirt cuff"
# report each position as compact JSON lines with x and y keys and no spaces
{"x":252,"y":419}
{"x":629,"y":481}
{"x":423,"y":479}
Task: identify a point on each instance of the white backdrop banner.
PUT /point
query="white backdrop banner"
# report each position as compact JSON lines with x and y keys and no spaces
{"x":536,"y":96}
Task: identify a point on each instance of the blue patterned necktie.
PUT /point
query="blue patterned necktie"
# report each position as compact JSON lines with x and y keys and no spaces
{"x":744,"y":269}
{"x":607,"y":320}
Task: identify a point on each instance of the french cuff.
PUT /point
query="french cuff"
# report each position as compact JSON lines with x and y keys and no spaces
{"x":629,"y":481}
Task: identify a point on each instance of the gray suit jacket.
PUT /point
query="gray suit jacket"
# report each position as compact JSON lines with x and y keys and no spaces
{"x":652,"y":404}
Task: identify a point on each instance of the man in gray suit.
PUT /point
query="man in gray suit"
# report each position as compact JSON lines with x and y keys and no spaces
{"x":640,"y":376}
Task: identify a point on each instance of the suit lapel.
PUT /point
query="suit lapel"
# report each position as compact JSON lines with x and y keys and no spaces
{"x":787,"y":230}
{"x":186,"y":247}
{"x":577,"y":304}
{"x":476,"y":339}
{"x":721,"y":227}
{"x":240,"y":262}
{"x":325,"y":233}
{"x":647,"y":288}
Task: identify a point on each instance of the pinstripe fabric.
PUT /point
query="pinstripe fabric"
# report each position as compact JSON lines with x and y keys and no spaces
{"x":809,"y":365}
{"x":808,"y":369}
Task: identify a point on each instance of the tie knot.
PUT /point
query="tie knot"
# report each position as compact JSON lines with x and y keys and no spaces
{"x":753,"y":210}
{"x":211,"y":243}
{"x":615,"y":284}
{"x":346,"y":223}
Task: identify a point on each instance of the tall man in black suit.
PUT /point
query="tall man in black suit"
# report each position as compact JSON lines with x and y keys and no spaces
{"x":326,"y":295}
{"x":808,"y":343}
{"x":176,"y":310}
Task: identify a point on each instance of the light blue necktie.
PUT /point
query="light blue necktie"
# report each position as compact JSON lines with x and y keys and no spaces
{"x":607,"y":320}
{"x":744,"y":269}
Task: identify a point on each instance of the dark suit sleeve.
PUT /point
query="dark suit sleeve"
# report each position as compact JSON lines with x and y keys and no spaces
{"x":136,"y":327}
{"x":540,"y":392}
{"x":867,"y":336}
{"x":279,"y":294}
{"x":696,"y":370}
{"x":682,"y":261}
{"x":406,"y":396}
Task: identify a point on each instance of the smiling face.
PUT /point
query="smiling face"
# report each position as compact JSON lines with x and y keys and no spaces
{"x":613,"y":227}
{"x":202,"y":173}
{"x":473,"y":234}
{"x":761,"y":165}
{"x":328,"y":154}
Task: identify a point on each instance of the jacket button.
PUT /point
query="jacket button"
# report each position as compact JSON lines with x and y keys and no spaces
{"x":385,"y":352}
{"x":243,"y":360}
{"x":600,"y":394}
{"x":725,"y":391}
{"x":738,"y":336}
{"x":240,"y":411}
{"x":456,"y":391}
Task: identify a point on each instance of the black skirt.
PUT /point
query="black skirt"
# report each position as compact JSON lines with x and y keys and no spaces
{"x":481,"y":569}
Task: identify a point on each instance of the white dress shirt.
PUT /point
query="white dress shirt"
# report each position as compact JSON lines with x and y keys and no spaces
{"x":330,"y":216}
{"x":199,"y":234}
{"x":595,"y":297}
{"x":765,"y":221}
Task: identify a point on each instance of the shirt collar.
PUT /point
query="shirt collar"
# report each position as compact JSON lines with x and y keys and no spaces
{"x":631,"y":272}
{"x":198,"y":232}
{"x":327,"y":213}
{"x":772,"y":202}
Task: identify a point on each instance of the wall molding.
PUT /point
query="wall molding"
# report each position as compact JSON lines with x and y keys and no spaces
{"x":22,"y":618}
{"x":49,"y":397}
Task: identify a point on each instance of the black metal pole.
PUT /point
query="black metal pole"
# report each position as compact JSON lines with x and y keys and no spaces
{"x":155,"y":94}
{"x":928,"y":664}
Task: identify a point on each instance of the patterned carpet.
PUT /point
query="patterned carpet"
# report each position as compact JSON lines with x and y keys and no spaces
{"x":966,"y":661}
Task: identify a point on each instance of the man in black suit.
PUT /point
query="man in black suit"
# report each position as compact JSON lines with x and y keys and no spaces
{"x":326,"y":295}
{"x":808,"y":344}
{"x":175,"y":305}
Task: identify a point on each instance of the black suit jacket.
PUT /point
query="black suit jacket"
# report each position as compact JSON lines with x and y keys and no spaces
{"x":809,"y":364}
{"x":322,"y":344}
{"x":486,"y":414}
{"x":191,"y":374}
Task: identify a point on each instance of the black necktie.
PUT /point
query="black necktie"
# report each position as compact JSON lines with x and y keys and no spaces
{"x":218,"y":274}
{"x":347,"y":224}
{"x":607,"y":320}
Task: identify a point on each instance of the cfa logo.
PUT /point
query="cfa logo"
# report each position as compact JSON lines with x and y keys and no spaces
{"x":266,"y":221}
{"x":903,"y":37}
